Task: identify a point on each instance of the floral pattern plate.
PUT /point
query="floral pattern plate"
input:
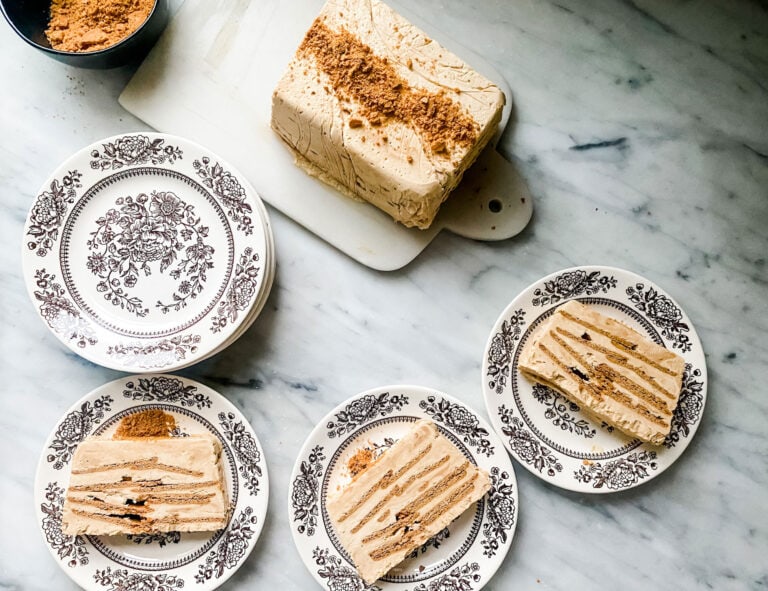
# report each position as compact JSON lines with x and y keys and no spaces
{"x":261,"y":299}
{"x":145,"y":252}
{"x":465,"y":555}
{"x":160,"y":562}
{"x":550,"y":436}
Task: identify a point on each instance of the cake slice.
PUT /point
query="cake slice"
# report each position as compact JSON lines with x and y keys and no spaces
{"x":372,"y":106}
{"x":608,"y":369}
{"x":146,"y":485}
{"x":409,"y":494}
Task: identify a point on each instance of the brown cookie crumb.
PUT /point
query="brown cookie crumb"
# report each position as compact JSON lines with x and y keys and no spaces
{"x":358,"y":75}
{"x":360,"y":461}
{"x":147,"y":423}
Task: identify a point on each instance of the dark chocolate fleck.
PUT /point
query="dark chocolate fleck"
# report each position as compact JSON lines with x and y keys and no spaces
{"x":579,"y":373}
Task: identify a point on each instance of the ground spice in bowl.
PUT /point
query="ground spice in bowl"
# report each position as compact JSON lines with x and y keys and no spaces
{"x":91,"y":25}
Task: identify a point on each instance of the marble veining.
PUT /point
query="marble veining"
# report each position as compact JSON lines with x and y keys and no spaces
{"x":642,"y":129}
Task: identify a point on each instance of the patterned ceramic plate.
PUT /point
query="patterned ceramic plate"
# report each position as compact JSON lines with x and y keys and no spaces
{"x":158,"y":562}
{"x":549,"y":435}
{"x":465,"y":554}
{"x":260,"y":301}
{"x":146,"y":252}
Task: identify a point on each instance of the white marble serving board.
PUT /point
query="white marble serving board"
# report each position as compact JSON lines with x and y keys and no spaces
{"x":210,"y":78}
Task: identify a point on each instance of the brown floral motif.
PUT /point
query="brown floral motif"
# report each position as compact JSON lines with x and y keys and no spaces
{"x":501,"y":512}
{"x":571,"y":284}
{"x":689,"y":406}
{"x":305,"y":491}
{"x":500,"y":351}
{"x":461,"y":421}
{"x":123,"y":580}
{"x":131,"y":150}
{"x":157,"y":227}
{"x":525,"y":445}
{"x":166,"y":389}
{"x":48,"y":212}
{"x":663,"y":313}
{"x":228,"y":189}
{"x":75,"y":427}
{"x":240,"y":292}
{"x":561,"y":412}
{"x":70,"y":548}
{"x":460,"y":578}
{"x":338,"y":576}
{"x":231,"y":548}
{"x":362,"y":410}
{"x":158,"y":354}
{"x":618,"y":474}
{"x":245,"y":448}
{"x":60,"y":313}
{"x":160,"y":538}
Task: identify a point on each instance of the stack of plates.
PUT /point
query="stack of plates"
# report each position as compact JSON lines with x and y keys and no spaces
{"x":146,"y":252}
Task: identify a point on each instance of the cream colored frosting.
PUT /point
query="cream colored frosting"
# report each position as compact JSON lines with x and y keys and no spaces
{"x":414,"y":490}
{"x":388,"y":165}
{"x":610,"y":370}
{"x":146,"y":485}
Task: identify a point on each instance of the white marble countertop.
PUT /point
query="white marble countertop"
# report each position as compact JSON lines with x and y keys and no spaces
{"x":642,"y":128}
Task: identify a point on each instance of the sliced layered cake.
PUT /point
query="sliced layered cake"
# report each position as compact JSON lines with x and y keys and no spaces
{"x":608,"y":369}
{"x":146,"y":484}
{"x":409,"y":494}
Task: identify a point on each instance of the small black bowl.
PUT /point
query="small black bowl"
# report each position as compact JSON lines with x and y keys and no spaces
{"x":29,"y":18}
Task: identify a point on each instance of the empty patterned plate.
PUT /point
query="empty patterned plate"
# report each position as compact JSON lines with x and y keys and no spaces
{"x":145,"y":252}
{"x":549,"y":435}
{"x":465,"y":555}
{"x":155,"y":561}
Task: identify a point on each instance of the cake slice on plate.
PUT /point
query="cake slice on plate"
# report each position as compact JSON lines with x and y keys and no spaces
{"x":146,"y":485}
{"x":610,"y":370}
{"x":409,"y":494}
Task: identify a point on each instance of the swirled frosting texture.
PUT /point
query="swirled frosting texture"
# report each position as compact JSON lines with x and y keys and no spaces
{"x":372,"y":106}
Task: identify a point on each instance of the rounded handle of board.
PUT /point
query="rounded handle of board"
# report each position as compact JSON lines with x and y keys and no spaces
{"x":492,"y":202}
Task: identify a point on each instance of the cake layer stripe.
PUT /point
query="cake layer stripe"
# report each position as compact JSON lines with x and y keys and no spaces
{"x":140,"y":485}
{"x":138,"y":465}
{"x":135,"y":524}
